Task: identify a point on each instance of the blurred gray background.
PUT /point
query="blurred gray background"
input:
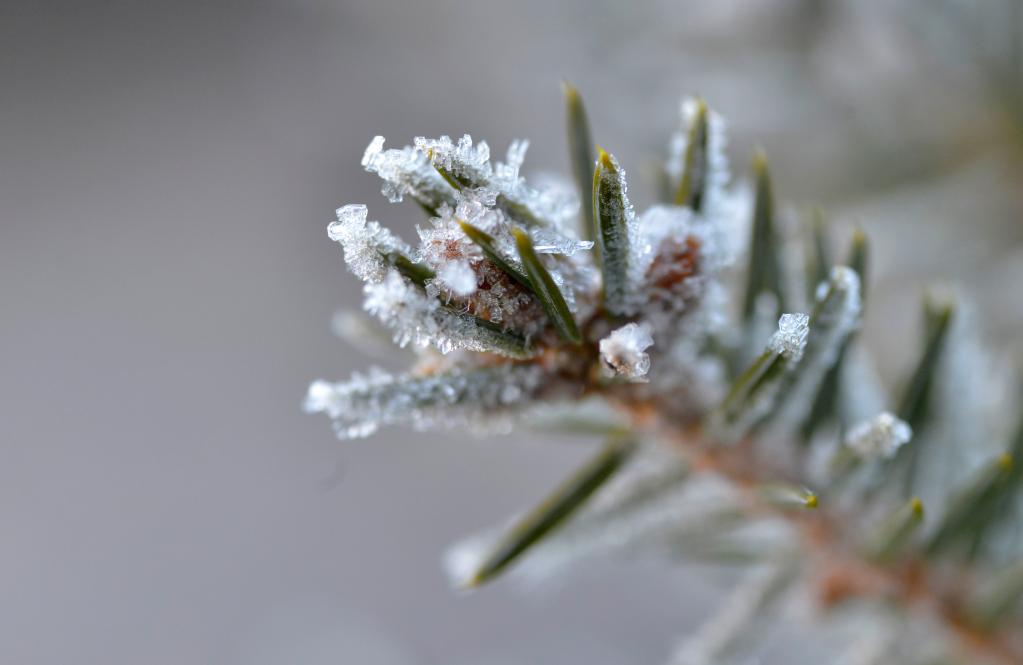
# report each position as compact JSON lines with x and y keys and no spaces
{"x":167,"y":172}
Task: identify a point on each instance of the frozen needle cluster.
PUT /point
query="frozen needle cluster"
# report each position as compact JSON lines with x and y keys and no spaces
{"x":518,"y":295}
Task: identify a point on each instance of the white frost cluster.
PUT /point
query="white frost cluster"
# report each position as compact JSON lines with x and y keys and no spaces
{"x":879,"y":438}
{"x":790,"y":338}
{"x":470,"y":164}
{"x":458,"y":277}
{"x":406,"y":172}
{"x":417,"y":318}
{"x":622,"y":352}
{"x":364,"y":243}
{"x":462,"y":159}
{"x":468,"y":303}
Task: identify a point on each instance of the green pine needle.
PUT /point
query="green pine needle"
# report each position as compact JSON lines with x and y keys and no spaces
{"x":417,"y":272}
{"x":457,"y":183}
{"x":547,"y":291}
{"x":485,"y":241}
{"x":975,"y":507}
{"x":580,"y":153}
{"x":518,"y":212}
{"x":896,"y":532}
{"x":765,"y":274}
{"x":556,"y":508}
{"x":825,"y":405}
{"x":818,"y":259}
{"x":913,"y":407}
{"x":694,"y":162}
{"x":610,"y":213}
{"x":859,"y":260}
{"x":506,"y":342}
{"x":497,"y":338}
{"x":762,"y":374}
{"x":1000,"y":596}
{"x":786,"y":495}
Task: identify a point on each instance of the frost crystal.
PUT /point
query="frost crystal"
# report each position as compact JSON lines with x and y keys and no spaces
{"x":364,"y":243}
{"x":622,"y":352}
{"x":471,"y":167}
{"x":547,"y":242}
{"x":790,"y":338}
{"x":879,"y":438}
{"x":463,"y":160}
{"x":406,"y":172}
{"x":458,"y":277}
{"x":419,"y":319}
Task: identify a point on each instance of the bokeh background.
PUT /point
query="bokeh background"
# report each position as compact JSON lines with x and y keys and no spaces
{"x":167,"y":172}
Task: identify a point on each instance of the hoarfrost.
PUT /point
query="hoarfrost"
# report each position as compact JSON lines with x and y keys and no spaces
{"x":458,"y":277}
{"x":365,"y":244}
{"x":879,"y":438}
{"x":419,"y":319}
{"x":547,"y":242}
{"x":462,"y":159}
{"x":508,"y":191}
{"x":790,"y":338}
{"x":406,"y":172}
{"x":622,"y":352}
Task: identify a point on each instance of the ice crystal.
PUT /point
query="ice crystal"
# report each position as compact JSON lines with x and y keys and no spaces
{"x":470,"y":166}
{"x":879,"y":438}
{"x":551,"y":243}
{"x":416,"y":318}
{"x":790,"y":338}
{"x":462,"y":159}
{"x":623,"y":351}
{"x":365,"y":244}
{"x":406,"y":172}
{"x":458,"y":277}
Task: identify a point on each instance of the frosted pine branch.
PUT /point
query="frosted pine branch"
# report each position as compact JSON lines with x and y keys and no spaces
{"x":743,"y":432}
